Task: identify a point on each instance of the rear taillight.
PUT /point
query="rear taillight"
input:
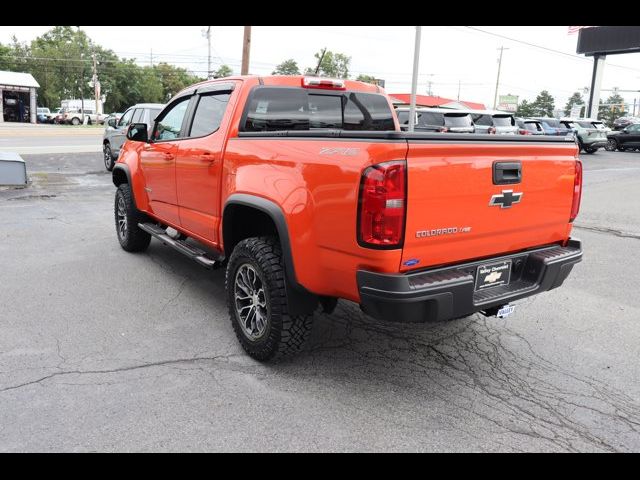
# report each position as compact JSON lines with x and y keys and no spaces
{"x":443,"y":129}
{"x":491,"y":130}
{"x":325,"y":83}
{"x":524,"y":131}
{"x":577,"y":191}
{"x":382,"y":204}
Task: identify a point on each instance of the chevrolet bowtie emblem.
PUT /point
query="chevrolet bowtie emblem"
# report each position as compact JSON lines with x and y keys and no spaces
{"x":505,"y":199}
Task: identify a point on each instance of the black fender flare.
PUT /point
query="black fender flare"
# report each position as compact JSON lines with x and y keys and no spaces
{"x":301,"y":301}
{"x":121,"y":167}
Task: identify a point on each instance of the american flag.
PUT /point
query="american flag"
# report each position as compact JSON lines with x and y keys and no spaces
{"x":573,"y":30}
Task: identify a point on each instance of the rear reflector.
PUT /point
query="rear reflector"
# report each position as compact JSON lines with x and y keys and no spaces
{"x":326,"y":83}
{"x":382,"y":205}
{"x":577,"y":191}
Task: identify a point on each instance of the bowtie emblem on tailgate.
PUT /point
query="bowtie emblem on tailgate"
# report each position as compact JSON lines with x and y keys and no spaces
{"x":505,"y":199}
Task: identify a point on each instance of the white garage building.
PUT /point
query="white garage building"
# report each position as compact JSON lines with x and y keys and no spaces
{"x":17,"y":97}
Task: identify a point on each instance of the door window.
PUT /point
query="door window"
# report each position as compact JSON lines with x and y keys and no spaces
{"x":168,"y":127}
{"x":137,"y":116}
{"x":126,"y":118}
{"x":209,"y":113}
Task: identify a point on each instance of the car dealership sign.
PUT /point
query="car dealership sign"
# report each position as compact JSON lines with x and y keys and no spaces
{"x":508,"y":103}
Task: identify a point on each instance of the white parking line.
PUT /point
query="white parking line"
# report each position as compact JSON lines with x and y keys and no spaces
{"x":52,"y":149}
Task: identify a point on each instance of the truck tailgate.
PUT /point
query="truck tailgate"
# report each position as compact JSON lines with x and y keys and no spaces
{"x":450,"y":188}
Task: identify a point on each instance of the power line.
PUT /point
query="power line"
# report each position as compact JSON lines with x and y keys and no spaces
{"x":559,"y":52}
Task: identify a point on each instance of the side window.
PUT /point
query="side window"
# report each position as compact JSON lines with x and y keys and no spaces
{"x":137,"y":116}
{"x":171,"y":123}
{"x":484,"y":120}
{"x":209,"y":113}
{"x":634,"y":128}
{"x":126,"y":118}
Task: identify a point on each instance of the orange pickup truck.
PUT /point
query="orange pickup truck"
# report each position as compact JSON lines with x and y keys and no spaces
{"x":308,"y":192}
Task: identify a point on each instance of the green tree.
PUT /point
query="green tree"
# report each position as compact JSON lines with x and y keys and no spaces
{"x":288,"y":67}
{"x":367,"y":78}
{"x":525,"y":109}
{"x":174,"y":79}
{"x":544,"y":104}
{"x":575,"y":99}
{"x":613,"y":107}
{"x":223,"y":71}
{"x":332,"y":65}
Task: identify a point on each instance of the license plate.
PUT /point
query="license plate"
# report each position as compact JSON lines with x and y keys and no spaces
{"x":493,"y":275}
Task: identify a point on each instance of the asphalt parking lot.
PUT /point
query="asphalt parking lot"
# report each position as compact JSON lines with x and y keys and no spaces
{"x":105,"y":350}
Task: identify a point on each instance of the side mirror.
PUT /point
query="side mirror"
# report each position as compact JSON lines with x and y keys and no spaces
{"x":137,"y":132}
{"x":112,"y":122}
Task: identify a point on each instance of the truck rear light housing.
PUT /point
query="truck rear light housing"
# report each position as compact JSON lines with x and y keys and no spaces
{"x":382,"y":205}
{"x":491,"y":130}
{"x":324,"y":83}
{"x":577,"y":191}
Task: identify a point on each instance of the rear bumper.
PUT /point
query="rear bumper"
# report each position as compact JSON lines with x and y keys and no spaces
{"x":449,"y":292}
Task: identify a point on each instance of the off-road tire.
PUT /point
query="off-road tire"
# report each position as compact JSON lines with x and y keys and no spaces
{"x":284,"y":334}
{"x":133,"y":239}
{"x":107,"y":156}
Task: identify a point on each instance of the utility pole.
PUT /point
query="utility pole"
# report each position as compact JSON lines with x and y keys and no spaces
{"x":495,"y":97}
{"x":414,"y":80}
{"x":458,"y":90}
{"x":96,"y":85}
{"x":207,"y":34}
{"x":152,"y":58}
{"x":246,"y":48}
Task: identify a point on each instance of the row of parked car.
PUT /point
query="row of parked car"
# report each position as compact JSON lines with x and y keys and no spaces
{"x":69,"y":116}
{"x":591,"y":134}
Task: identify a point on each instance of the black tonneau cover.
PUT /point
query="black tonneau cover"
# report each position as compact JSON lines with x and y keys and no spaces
{"x":407,"y":136}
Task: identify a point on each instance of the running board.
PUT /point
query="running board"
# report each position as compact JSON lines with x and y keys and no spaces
{"x":200,"y":256}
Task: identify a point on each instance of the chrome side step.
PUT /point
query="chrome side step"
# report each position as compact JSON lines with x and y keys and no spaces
{"x":200,"y":256}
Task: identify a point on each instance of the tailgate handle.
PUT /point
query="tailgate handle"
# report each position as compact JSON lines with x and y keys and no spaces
{"x":505,"y":173}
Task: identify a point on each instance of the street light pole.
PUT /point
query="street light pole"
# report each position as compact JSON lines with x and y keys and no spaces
{"x":414,"y":80}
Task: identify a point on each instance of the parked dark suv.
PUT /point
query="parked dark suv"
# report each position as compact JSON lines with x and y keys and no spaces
{"x":437,"y":120}
{"x":626,"y":139}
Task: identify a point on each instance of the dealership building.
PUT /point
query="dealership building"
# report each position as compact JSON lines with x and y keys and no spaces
{"x":18,"y":97}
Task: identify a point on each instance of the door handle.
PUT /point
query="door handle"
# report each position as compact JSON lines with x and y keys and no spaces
{"x":505,"y":173}
{"x":169,"y":156}
{"x":207,"y":157}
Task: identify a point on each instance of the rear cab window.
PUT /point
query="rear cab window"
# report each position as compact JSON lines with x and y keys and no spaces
{"x":272,"y":108}
{"x":503,"y":120}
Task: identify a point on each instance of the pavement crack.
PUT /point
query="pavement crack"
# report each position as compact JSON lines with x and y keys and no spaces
{"x":116,"y":370}
{"x":610,"y":231}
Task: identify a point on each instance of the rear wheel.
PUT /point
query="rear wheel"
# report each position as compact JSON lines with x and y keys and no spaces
{"x":591,"y":149}
{"x":75,"y":121}
{"x":109,"y":161}
{"x":127,"y":217}
{"x":257,"y":301}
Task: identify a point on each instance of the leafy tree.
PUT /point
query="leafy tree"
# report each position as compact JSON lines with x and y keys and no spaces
{"x":525,"y":109}
{"x":575,"y":99}
{"x":367,"y":78}
{"x":614,"y":107}
{"x":543,"y":105}
{"x":223,"y":71}
{"x":332,"y":65}
{"x":288,"y":67}
{"x":174,"y":79}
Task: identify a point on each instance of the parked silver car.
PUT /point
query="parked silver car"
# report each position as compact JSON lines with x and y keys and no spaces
{"x":494,"y":121}
{"x":115,"y":132}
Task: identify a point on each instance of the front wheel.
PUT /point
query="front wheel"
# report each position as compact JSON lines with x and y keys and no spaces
{"x":257,"y":301}
{"x":611,"y":145}
{"x":131,"y":237}
{"x":109,"y":161}
{"x":75,"y":121}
